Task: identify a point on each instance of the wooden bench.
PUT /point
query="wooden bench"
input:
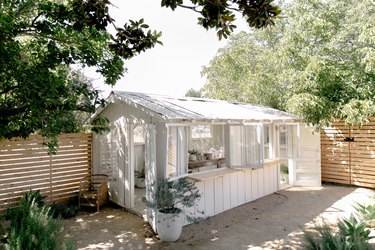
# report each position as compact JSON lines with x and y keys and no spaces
{"x":93,"y":191}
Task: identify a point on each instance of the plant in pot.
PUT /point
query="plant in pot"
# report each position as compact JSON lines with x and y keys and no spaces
{"x":284,"y":172}
{"x":193,"y":154}
{"x":140,"y":178}
{"x":170,"y":198}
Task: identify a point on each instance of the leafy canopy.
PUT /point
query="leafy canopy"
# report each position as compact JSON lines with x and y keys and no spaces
{"x":318,"y":63}
{"x":40,"y":41}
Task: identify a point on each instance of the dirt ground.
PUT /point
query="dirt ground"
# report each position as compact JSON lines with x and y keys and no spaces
{"x":276,"y":221}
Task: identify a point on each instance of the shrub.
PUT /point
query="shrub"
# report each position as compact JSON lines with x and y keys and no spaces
{"x":351,"y":234}
{"x":31,"y":225}
{"x":62,"y":211}
{"x":366,"y":213}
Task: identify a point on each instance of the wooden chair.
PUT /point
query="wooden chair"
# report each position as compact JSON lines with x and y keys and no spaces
{"x":93,"y":191}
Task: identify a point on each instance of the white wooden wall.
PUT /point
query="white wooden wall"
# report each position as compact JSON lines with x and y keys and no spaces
{"x":231,"y":190}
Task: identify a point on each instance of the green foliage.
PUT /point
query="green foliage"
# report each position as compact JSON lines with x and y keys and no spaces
{"x":194,"y":151}
{"x":317,"y":63}
{"x":194,"y":93}
{"x":39,"y":42}
{"x":140,"y":174}
{"x":32,"y":226}
{"x":351,"y":235}
{"x":171,"y":196}
{"x":366,"y":212}
{"x":220,"y":14}
{"x":284,"y":169}
{"x":17,"y":214}
{"x":63,"y":211}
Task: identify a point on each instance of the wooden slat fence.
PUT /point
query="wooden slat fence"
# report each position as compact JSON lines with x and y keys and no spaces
{"x":26,"y":164}
{"x":348,"y":154}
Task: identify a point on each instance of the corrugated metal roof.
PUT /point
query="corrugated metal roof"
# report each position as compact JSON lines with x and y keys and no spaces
{"x":189,"y":108}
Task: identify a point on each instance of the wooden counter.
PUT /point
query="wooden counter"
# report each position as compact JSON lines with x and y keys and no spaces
{"x":202,"y":176}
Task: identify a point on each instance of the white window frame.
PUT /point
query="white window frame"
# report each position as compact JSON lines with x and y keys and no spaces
{"x":181,"y":151}
{"x":294,"y":143}
{"x":271,"y":146}
{"x":239,"y":138}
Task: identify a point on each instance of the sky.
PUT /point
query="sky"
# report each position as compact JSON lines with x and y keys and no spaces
{"x":175,"y":66}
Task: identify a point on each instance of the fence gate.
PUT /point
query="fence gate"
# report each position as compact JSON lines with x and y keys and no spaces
{"x":348,"y":154}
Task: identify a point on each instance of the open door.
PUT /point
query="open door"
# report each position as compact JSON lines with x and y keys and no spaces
{"x":307,"y":168}
{"x":150,"y":170}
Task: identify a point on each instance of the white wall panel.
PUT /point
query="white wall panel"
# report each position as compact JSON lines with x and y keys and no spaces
{"x":233,"y":190}
{"x":219,"y":197}
{"x":224,"y":192}
{"x":248,"y":185}
{"x":241,"y":187}
{"x":209,"y":190}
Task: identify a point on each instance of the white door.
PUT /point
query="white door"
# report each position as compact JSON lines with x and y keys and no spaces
{"x":307,"y":168}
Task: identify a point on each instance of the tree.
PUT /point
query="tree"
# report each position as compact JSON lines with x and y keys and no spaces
{"x":194,"y":93}
{"x":318,"y":63}
{"x":40,"y":41}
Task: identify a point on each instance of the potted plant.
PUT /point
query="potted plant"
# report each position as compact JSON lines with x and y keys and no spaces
{"x":140,"y":178}
{"x":170,"y":198}
{"x":284,"y":172}
{"x":193,"y":154}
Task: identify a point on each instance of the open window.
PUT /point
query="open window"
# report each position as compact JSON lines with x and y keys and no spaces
{"x":208,"y":139}
{"x":268,"y":142}
{"x":246,"y":146}
{"x":177,"y":151}
{"x":288,"y":141}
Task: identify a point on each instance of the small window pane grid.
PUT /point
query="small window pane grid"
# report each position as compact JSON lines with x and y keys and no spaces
{"x":139,"y":134}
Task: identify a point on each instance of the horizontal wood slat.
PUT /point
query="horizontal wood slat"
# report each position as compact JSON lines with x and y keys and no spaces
{"x":25,"y":164}
{"x":349,"y":162}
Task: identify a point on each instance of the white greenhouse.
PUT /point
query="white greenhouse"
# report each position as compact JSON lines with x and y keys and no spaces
{"x":245,"y":149}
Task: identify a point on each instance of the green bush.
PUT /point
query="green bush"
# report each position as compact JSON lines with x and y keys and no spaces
{"x":366,"y":213}
{"x":62,"y":211}
{"x":32,"y":226}
{"x":351,"y":235}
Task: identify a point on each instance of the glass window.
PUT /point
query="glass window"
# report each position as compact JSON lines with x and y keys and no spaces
{"x":177,"y":151}
{"x":201,"y":131}
{"x":208,"y":139}
{"x":245,"y":146}
{"x":288,"y":139}
{"x":268,"y":145}
{"x":139,"y":134}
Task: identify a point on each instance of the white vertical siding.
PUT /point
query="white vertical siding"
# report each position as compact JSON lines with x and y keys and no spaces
{"x":224,"y":192}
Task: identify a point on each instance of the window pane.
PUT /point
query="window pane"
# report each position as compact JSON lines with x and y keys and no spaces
{"x":236,"y":146}
{"x":172,"y":152}
{"x":208,"y":139}
{"x":139,"y":134}
{"x":251,"y":145}
{"x":177,"y":158}
{"x":245,"y":146}
{"x":288,"y":147}
{"x":267,"y":133}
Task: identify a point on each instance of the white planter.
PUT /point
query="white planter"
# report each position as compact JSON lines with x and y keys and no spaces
{"x":140,"y":182}
{"x":169,"y":226}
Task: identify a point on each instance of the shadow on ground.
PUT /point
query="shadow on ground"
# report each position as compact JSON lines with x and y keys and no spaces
{"x":276,"y":221}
